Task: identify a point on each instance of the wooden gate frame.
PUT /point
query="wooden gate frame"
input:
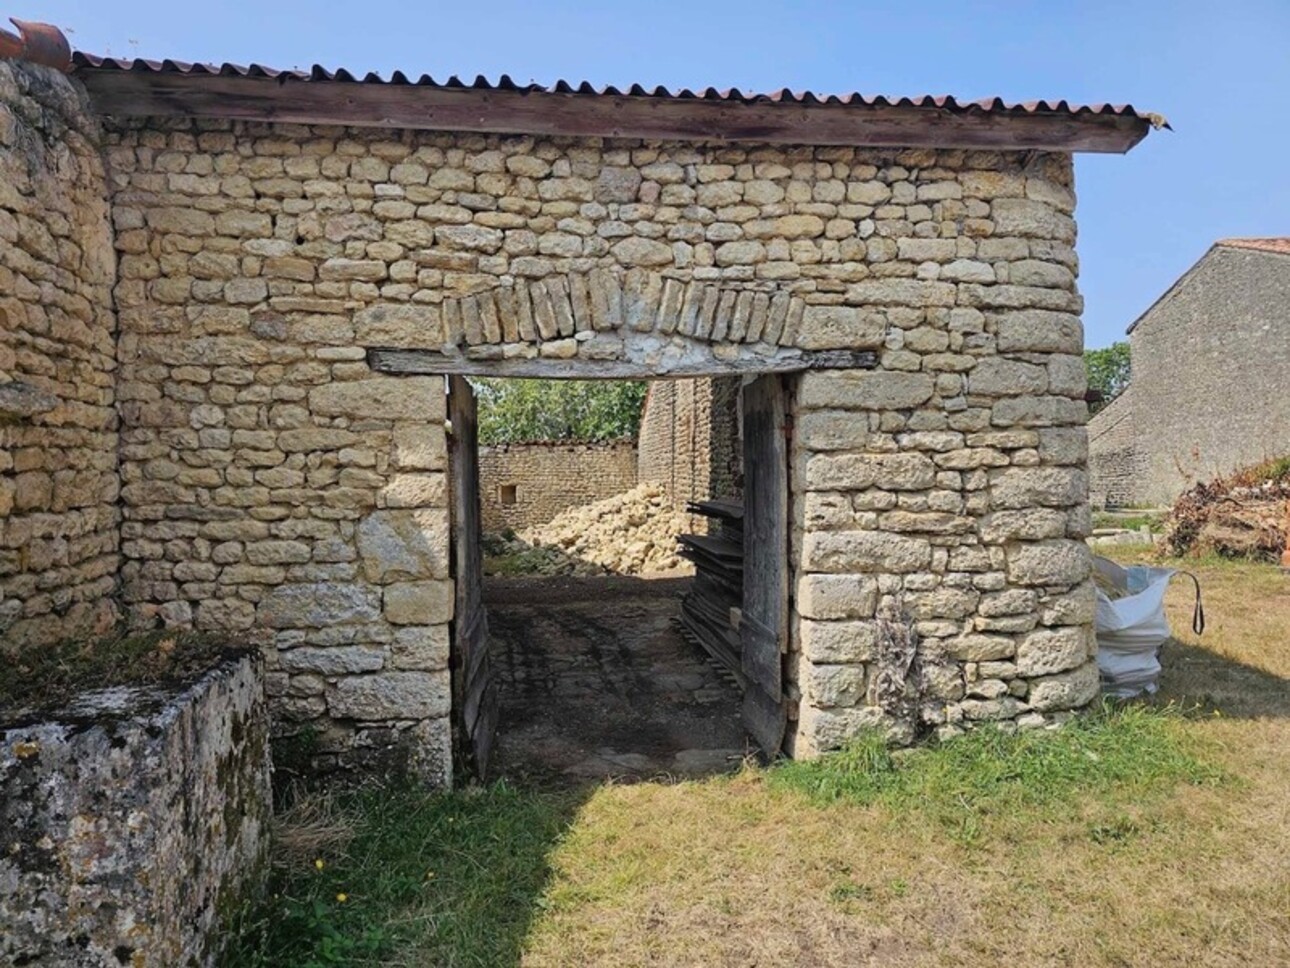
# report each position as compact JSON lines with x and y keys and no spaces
{"x":764,"y":617}
{"x":474,"y":691}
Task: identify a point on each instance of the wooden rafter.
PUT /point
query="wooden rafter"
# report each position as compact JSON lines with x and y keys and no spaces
{"x":167,"y":94}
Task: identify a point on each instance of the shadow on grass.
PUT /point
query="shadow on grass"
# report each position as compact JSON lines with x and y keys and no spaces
{"x":414,"y":878}
{"x":1194,"y":676}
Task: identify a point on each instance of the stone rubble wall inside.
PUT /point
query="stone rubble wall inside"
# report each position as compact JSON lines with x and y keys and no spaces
{"x":549,"y":477}
{"x":689,"y":439}
{"x":273,"y":482}
{"x":59,"y":523}
{"x":1113,"y":478}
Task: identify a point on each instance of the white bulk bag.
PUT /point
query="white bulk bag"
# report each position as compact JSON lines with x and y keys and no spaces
{"x":1131,"y":629}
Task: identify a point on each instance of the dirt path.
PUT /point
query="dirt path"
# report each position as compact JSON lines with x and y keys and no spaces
{"x":596,"y":681}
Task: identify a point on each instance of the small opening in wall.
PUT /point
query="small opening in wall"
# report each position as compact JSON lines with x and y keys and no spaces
{"x":508,"y":494}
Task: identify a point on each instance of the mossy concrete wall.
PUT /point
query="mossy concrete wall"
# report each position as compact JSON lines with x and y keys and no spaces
{"x":134,"y":822}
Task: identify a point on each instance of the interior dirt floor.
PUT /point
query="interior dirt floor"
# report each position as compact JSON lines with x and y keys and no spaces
{"x":596,"y":680}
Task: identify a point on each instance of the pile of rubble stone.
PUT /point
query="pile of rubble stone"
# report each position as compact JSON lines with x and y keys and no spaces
{"x":633,"y":533}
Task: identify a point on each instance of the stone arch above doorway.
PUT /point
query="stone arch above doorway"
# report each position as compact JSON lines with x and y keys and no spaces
{"x":612,"y":323}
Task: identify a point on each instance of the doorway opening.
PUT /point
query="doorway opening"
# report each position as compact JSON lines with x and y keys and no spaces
{"x":622,"y":605}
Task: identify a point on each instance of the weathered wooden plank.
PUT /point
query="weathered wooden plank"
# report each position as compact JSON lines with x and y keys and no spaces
{"x":409,"y":362}
{"x":763,"y":627}
{"x":702,"y":632}
{"x":473,"y":691}
{"x":134,"y":94}
{"x":765,"y":717}
{"x":485,"y":732}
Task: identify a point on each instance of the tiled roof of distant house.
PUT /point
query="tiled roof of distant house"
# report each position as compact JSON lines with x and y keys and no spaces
{"x":1280,"y":245}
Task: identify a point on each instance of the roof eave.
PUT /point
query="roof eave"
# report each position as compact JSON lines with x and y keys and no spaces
{"x":288,"y":99}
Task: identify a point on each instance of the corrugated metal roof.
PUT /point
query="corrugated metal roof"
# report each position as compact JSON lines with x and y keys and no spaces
{"x":319,"y":74}
{"x":1279,"y":245}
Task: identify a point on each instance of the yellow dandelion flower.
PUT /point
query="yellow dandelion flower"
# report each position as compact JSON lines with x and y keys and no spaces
{"x":342,"y":897}
{"x":319,"y":863}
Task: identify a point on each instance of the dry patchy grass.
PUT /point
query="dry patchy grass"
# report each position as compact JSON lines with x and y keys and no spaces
{"x":1190,"y":868}
{"x":735,"y":872}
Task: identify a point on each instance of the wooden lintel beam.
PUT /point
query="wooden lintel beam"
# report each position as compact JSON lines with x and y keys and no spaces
{"x":427,"y":362}
{"x":163,"y":94}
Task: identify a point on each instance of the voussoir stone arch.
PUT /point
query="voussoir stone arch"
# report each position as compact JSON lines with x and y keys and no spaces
{"x":610,"y":317}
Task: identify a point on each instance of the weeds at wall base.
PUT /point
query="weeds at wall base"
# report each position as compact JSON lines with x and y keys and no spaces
{"x":965,"y":782}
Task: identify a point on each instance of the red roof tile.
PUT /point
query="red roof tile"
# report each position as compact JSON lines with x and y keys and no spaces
{"x":1280,"y":245}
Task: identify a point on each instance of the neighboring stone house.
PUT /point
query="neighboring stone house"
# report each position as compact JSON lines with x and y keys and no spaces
{"x":1210,"y":390}
{"x":234,"y":295}
{"x":530,"y":483}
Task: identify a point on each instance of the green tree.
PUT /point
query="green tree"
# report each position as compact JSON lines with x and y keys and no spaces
{"x":1108,"y":370}
{"x":514,"y":411}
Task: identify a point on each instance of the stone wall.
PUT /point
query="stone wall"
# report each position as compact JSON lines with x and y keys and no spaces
{"x":940,"y":501}
{"x":1210,"y":365}
{"x":59,"y":527}
{"x":689,"y":438}
{"x":1112,"y":455}
{"x":134,"y":823}
{"x":548,"y":477}
{"x":274,"y":482}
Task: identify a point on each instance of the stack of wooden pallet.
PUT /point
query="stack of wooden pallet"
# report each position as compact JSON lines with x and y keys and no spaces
{"x":710,"y":610}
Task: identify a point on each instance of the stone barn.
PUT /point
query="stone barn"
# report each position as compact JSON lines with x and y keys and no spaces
{"x":238,"y":305}
{"x":1211,"y":359}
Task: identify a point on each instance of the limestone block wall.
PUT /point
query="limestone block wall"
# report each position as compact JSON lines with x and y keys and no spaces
{"x":548,"y":477}
{"x":59,"y":525}
{"x":689,"y":438}
{"x":940,"y":501}
{"x":1113,"y":477}
{"x":134,"y":823}
{"x":273,"y":482}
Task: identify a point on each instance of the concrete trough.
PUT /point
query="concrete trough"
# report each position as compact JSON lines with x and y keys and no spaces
{"x":134,"y":821}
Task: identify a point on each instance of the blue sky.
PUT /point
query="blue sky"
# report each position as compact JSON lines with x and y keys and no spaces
{"x":1219,"y":71}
